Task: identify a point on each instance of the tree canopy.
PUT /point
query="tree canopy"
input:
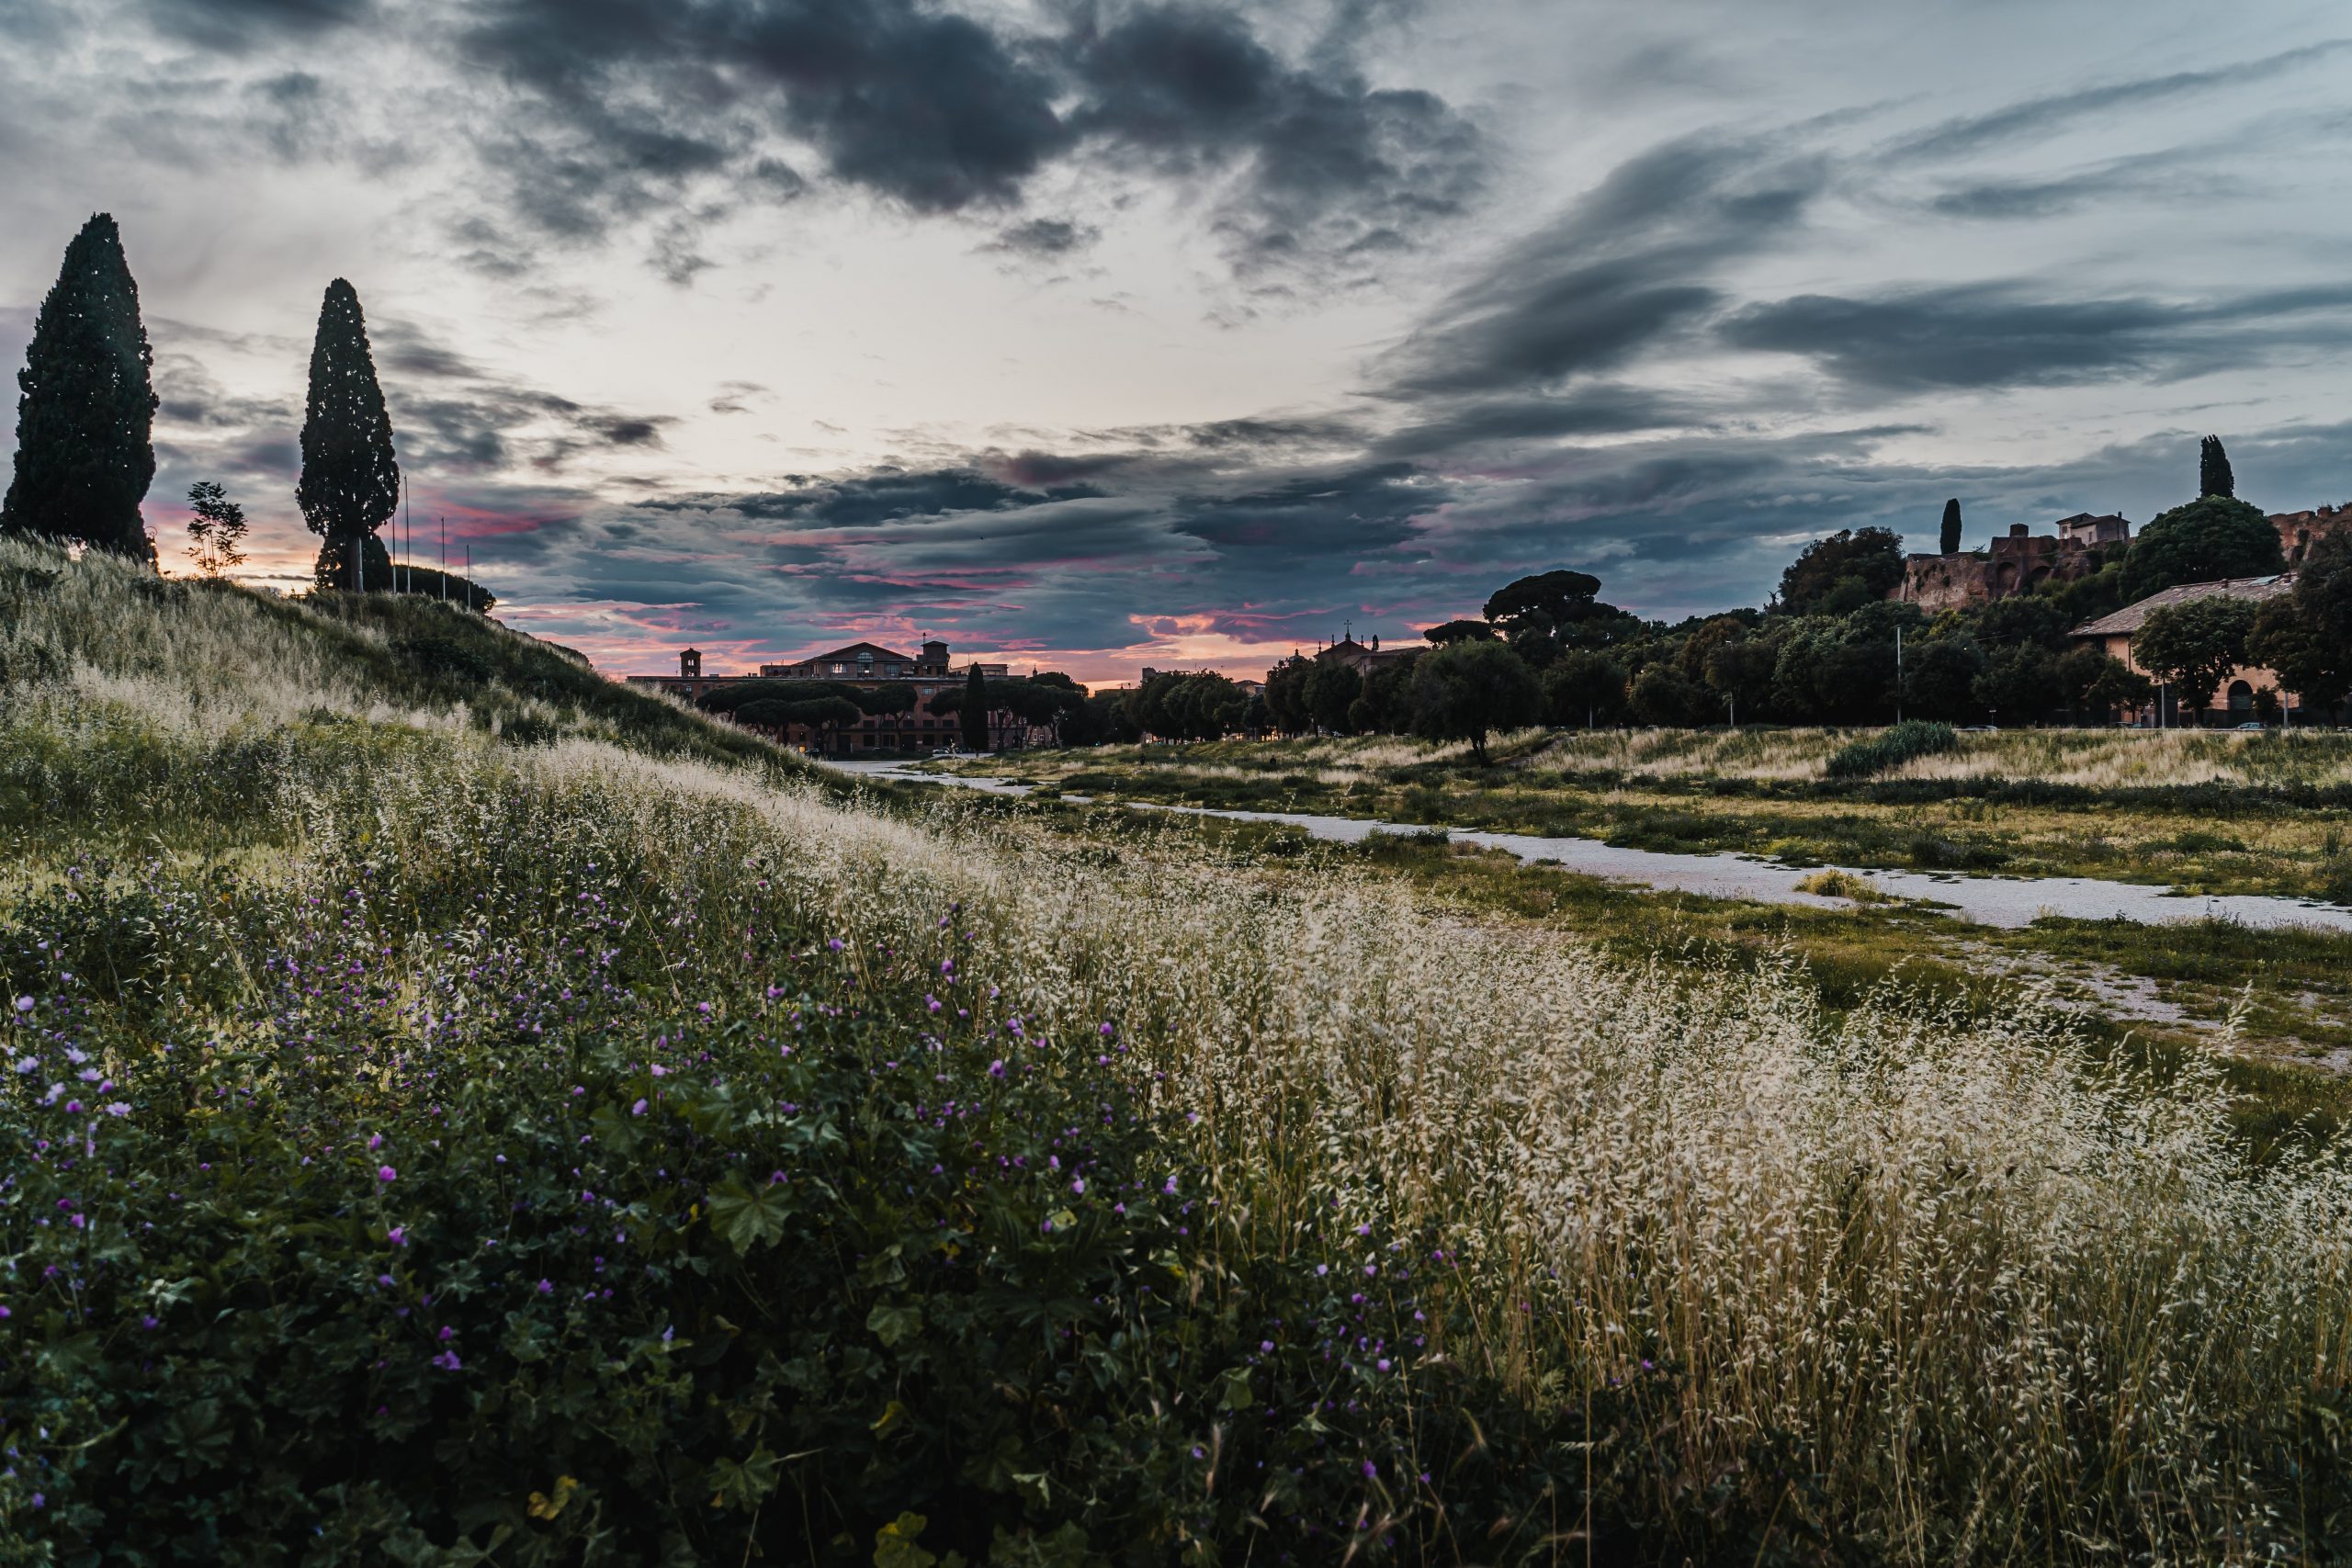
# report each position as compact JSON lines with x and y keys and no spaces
{"x":351,"y":480}
{"x":2194,"y":644}
{"x":2306,"y":636}
{"x":1458,"y":631}
{"x":1852,"y":567}
{"x":2211,"y":538}
{"x":86,"y":416}
{"x":1286,"y":695}
{"x":216,"y":528}
{"x":1467,"y":690}
{"x":735,"y":694}
{"x":1544,"y":616}
{"x":1332,"y":689}
{"x":1178,"y":705}
{"x":1949,"y":537}
{"x":824,"y":714}
{"x":1587,"y":687}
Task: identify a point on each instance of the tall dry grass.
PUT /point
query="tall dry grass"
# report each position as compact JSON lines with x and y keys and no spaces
{"x":1950,"y":1290}
{"x":1964,"y":1292}
{"x":2096,"y":759}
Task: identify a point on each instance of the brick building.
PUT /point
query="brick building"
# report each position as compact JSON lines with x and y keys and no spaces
{"x":865,"y":666}
{"x":2017,"y":562}
{"x":2299,"y":531}
{"x":2238,"y":698}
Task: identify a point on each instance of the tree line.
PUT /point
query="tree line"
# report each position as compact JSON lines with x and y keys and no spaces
{"x":1048,"y":700}
{"x":85,"y":451}
{"x":1547,"y":649}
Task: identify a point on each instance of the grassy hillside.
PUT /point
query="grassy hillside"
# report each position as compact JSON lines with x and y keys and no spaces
{"x":144,"y":710}
{"x":458,"y":1114}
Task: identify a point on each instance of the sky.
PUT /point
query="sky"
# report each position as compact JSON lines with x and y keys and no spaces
{"x":1096,"y":335}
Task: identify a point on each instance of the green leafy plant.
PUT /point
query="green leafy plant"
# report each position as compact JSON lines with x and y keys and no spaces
{"x":1890,"y":749}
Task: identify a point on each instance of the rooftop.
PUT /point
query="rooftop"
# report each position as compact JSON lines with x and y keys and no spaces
{"x":853,"y":653}
{"x":2131,"y":618}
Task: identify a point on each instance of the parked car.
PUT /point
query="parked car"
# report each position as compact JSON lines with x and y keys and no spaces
{"x":2254,"y":724}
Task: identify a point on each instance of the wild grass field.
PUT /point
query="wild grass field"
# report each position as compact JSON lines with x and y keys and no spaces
{"x":2209,"y":813}
{"x":463,"y":1113}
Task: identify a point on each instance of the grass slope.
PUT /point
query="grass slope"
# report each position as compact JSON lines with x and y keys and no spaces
{"x":617,"y":1148}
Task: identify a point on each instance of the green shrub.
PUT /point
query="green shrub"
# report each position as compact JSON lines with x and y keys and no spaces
{"x":1890,"y":749}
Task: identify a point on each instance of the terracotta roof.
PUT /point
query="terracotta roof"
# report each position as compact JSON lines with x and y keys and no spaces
{"x":849,"y":655}
{"x":2131,"y":618}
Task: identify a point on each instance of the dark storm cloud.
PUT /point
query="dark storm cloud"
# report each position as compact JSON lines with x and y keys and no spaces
{"x":1268,"y":435}
{"x":628,"y":105}
{"x":931,"y":107}
{"x":1045,"y":239}
{"x":1334,"y":167}
{"x":1053,"y":563}
{"x":1633,"y":264}
{"x":1314,"y":519}
{"x":1044,"y":471}
{"x":401,"y":348}
{"x":2005,"y":334}
{"x":238,"y":24}
{"x":187,"y":395}
{"x":895,"y":494}
{"x":2041,"y":116}
{"x":2204,"y":171}
{"x":1022,"y":574}
{"x":2028,"y":199}
{"x":450,"y":412}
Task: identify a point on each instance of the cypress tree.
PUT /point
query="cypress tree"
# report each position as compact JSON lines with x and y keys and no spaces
{"x":2213,"y":476}
{"x":1951,"y":526}
{"x":351,"y":481}
{"x":975,"y":714}
{"x":84,"y":454}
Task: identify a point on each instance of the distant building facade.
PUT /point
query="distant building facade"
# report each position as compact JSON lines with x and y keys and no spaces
{"x":2238,"y":698}
{"x":2017,"y":562}
{"x":2299,"y":531}
{"x":865,"y":666}
{"x":1363,"y":658}
{"x":2022,"y":560}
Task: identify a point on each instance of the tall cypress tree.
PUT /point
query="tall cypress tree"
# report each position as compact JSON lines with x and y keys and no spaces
{"x":1951,"y":526}
{"x":85,"y":424}
{"x":2213,"y":476}
{"x":351,"y":482}
{"x":975,"y":714}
